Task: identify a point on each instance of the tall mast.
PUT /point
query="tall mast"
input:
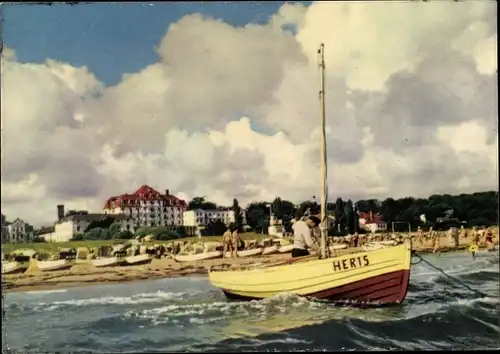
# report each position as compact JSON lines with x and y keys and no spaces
{"x":324,"y":171}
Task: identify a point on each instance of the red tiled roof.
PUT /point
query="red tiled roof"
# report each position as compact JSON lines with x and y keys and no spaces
{"x":145,"y":192}
{"x":371,"y":218}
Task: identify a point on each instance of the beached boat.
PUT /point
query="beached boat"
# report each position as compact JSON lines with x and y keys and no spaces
{"x":14,"y":267}
{"x":108,"y":262}
{"x":340,"y":246}
{"x":285,"y":249}
{"x":253,"y":252}
{"x":198,"y":256}
{"x":58,"y":264}
{"x":139,"y":259}
{"x":270,"y":250}
{"x":371,"y":246}
{"x":378,"y":277}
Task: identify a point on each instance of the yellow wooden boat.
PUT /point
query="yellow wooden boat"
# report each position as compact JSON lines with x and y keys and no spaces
{"x":379,"y":276}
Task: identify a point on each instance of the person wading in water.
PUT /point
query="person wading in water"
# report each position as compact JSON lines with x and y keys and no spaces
{"x":302,"y":239}
{"x":474,"y":245}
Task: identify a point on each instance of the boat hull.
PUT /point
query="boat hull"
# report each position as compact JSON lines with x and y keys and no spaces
{"x":139,"y":260}
{"x":108,"y":262}
{"x":247,"y":253}
{"x":57,"y":265}
{"x":384,"y":289}
{"x":270,"y":250}
{"x":377,"y":278}
{"x":14,"y":267}
{"x":198,"y":257}
{"x":285,"y":249}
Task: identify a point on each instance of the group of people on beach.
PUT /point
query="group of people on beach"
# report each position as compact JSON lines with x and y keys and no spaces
{"x":231,"y":241}
{"x":305,"y":230}
{"x":477,"y":237}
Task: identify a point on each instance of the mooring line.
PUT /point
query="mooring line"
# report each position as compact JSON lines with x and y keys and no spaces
{"x":458,"y":281}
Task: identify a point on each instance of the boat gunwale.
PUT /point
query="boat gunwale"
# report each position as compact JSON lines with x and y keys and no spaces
{"x":226,"y":267}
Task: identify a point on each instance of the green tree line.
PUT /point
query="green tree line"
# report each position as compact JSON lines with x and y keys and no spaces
{"x":476,"y":209}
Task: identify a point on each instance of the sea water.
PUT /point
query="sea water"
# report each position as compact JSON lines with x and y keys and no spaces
{"x":188,"y":314}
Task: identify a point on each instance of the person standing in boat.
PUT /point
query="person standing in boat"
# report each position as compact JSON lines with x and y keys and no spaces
{"x":302,"y":236}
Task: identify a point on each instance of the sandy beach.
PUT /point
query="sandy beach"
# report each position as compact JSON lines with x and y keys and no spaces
{"x":86,"y":274}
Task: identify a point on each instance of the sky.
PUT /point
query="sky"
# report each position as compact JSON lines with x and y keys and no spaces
{"x":221,"y":100}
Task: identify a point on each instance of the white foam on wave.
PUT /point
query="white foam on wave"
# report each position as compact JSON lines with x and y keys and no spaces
{"x":44,"y":292}
{"x":201,"y":313}
{"x":471,"y":302}
{"x":145,"y":298}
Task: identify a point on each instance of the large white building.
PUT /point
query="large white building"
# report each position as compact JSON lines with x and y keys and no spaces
{"x":200,"y":217}
{"x":148,"y":207}
{"x":69,"y":226}
{"x":17,"y":232}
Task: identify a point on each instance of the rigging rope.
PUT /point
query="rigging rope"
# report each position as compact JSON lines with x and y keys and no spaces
{"x":458,"y":281}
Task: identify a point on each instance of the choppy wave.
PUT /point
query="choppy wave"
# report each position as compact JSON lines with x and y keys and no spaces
{"x":190,"y":315}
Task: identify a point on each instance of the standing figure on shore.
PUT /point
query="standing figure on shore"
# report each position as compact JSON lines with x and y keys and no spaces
{"x":420,"y":236}
{"x":434,"y":236}
{"x":476,"y":236}
{"x":488,"y":239}
{"x":453,"y":236}
{"x":227,"y":242}
{"x":236,"y":240}
{"x":463,"y":232}
{"x":230,"y":239}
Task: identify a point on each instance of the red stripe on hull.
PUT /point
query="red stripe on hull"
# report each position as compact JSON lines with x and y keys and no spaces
{"x":386,"y":289}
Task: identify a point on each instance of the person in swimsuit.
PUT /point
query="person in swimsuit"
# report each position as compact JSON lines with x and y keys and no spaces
{"x":420,"y":236}
{"x":488,"y":239}
{"x":229,"y":245}
{"x":434,"y":236}
{"x":302,"y":236}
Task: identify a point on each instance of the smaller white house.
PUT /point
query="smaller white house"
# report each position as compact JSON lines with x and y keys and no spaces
{"x":372,"y":222}
{"x":200,"y":217}
{"x":72,"y":225}
{"x":19,"y":232}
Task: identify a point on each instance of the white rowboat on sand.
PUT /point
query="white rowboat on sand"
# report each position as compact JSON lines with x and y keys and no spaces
{"x":198,"y":257}
{"x":247,"y":253}
{"x":285,"y":249}
{"x":58,"y":264}
{"x":270,"y":250}
{"x":139,"y":259}
{"x":14,"y":267}
{"x":340,"y":246}
{"x":372,"y":246}
{"x":107,"y":262}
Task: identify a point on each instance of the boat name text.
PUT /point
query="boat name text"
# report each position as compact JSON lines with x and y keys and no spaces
{"x":349,"y":263}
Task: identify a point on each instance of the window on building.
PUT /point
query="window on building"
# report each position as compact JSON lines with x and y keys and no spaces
{"x":78,"y":228}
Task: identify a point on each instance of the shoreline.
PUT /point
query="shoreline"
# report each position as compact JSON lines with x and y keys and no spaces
{"x":87,"y":275}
